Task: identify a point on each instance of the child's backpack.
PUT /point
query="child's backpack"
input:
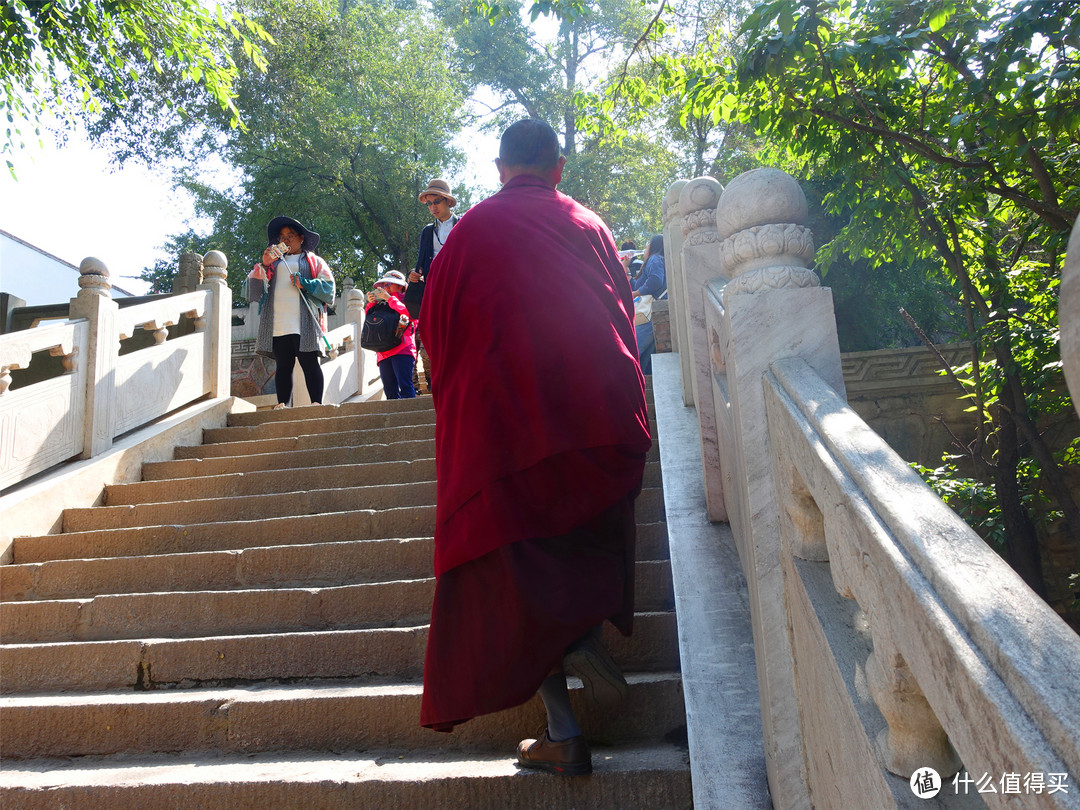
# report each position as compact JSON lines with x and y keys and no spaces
{"x":381,"y":331}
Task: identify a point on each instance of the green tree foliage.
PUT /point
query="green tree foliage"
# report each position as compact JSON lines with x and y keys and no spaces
{"x":539,"y":76}
{"x":542,"y":75}
{"x":78,"y":55}
{"x":955,"y":129}
{"x":352,"y":117}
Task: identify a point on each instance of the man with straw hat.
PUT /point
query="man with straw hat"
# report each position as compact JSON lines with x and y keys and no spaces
{"x":439,"y":201}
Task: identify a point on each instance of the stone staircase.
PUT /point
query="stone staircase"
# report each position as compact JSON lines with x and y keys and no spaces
{"x":245,"y":628}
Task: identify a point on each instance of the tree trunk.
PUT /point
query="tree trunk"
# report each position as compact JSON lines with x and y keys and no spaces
{"x":1021,"y":538}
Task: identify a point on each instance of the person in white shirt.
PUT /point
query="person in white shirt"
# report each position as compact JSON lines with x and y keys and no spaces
{"x":439,"y":201}
{"x":293,"y":285}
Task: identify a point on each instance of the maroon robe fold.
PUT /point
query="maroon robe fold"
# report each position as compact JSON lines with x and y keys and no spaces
{"x":541,"y":433}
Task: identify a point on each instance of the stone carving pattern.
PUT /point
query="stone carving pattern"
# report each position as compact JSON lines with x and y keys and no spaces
{"x":775,"y":278}
{"x":697,"y":220}
{"x":40,"y":427}
{"x":702,"y":237}
{"x":766,"y":241}
{"x":903,"y":364}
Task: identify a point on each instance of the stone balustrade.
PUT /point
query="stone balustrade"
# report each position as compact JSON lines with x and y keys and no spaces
{"x":888,"y":637}
{"x":122,"y":368}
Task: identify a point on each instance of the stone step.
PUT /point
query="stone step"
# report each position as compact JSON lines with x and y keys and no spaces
{"x":307,"y":565}
{"x":268,"y":481}
{"x":332,"y":411}
{"x":649,"y":507}
{"x":313,"y":716}
{"x":313,"y":501}
{"x":317,"y":441}
{"x":316,"y":564}
{"x":192,"y":614}
{"x":335,"y":527}
{"x":151,"y":663}
{"x":292,"y":442}
{"x":309,"y":427}
{"x":655,"y":775}
{"x":414,"y":521}
{"x":395,"y":451}
{"x":295,"y":459}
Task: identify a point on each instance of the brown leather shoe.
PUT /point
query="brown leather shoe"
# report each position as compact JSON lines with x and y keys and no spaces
{"x":567,"y":757}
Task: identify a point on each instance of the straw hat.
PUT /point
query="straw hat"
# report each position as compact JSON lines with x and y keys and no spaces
{"x":440,"y":188}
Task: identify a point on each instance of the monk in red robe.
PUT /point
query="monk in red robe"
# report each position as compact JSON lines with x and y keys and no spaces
{"x":540,"y":438}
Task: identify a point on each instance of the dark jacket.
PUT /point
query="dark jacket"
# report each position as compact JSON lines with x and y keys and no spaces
{"x":414,"y":294}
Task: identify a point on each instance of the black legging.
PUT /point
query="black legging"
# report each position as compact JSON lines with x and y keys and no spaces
{"x":286,"y":351}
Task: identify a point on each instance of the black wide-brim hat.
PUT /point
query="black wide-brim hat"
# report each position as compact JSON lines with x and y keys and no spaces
{"x":273,"y":231}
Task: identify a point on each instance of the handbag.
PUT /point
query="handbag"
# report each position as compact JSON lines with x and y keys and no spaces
{"x":643,"y":307}
{"x":414,"y":297}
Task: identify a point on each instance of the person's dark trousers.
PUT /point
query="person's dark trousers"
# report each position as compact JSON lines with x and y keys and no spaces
{"x":397,"y":376}
{"x":286,"y":352}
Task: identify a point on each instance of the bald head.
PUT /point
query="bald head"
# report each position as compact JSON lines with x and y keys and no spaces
{"x":530,"y":146}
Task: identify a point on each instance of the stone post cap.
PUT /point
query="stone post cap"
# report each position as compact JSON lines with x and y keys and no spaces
{"x":93,"y":267}
{"x":699,"y":194}
{"x":215,"y":258}
{"x":760,"y":197}
{"x":354,"y":299}
{"x":94,"y":277}
{"x":215,"y":266}
{"x":669,"y":208}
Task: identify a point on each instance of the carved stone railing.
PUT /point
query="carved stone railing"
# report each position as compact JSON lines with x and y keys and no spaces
{"x":350,"y":371}
{"x":246,"y":319}
{"x":102,"y":392}
{"x":889,"y":638}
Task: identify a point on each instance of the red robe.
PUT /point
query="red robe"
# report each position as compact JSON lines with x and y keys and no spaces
{"x":541,"y":432}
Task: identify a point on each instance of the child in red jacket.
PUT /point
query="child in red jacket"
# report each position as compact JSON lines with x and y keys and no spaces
{"x":396,"y":365}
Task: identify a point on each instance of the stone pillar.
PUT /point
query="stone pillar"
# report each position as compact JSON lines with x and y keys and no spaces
{"x":771,"y":307}
{"x":700,"y":264}
{"x":189,"y":275}
{"x":354,"y":314}
{"x":1069,"y":316}
{"x":673,"y":240}
{"x":94,"y":303}
{"x":219,"y":321}
{"x":8,"y":303}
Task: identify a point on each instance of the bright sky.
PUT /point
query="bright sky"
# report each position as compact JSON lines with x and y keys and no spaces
{"x":71,"y":203}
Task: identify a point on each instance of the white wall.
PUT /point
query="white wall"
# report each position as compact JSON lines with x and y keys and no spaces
{"x":36,"y":276}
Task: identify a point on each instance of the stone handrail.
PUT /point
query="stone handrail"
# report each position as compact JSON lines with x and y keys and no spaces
{"x":889,"y":639}
{"x":103,"y":393}
{"x":344,"y":374}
